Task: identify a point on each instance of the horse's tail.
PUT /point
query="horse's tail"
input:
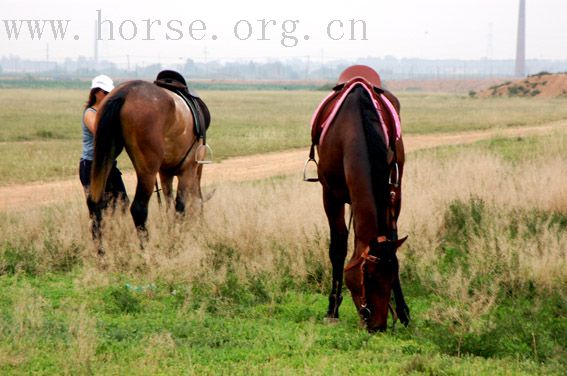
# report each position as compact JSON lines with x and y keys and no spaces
{"x":378,"y":155}
{"x":109,"y":143}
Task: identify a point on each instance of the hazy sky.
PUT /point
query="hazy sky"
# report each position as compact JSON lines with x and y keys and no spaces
{"x":434,"y":29}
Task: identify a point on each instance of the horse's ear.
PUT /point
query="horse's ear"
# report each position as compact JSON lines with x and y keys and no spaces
{"x":398,"y":243}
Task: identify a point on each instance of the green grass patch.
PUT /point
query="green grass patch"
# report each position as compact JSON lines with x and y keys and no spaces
{"x":163,"y":334}
{"x":522,"y":149}
{"x":33,"y":114}
{"x":511,"y":149}
{"x":430,"y":113}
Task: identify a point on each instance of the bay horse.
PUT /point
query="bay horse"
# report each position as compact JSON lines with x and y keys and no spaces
{"x":157,"y":129}
{"x":361,"y":160}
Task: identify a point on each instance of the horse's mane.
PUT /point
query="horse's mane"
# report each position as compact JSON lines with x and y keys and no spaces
{"x":377,"y":154}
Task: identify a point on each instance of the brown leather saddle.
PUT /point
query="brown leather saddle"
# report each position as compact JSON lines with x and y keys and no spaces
{"x":174,"y":81}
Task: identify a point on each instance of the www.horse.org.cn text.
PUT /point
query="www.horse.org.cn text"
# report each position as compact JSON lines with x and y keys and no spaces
{"x":286,"y":32}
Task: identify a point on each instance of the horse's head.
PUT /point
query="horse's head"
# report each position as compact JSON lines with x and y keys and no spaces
{"x":370,"y":280}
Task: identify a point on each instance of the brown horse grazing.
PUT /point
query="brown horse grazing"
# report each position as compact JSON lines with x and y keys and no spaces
{"x":156,"y":127}
{"x":361,"y":163}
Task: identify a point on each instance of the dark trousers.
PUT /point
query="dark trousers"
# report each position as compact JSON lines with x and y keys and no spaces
{"x":114,"y":190}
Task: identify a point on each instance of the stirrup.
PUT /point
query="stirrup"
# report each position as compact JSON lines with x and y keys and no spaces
{"x":208,"y":153}
{"x":305,"y":166}
{"x":394,"y":181}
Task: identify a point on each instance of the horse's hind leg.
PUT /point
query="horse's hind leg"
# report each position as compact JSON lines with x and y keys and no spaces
{"x":95,"y":212}
{"x":335,"y":210}
{"x":139,"y":208}
{"x":167,"y":188}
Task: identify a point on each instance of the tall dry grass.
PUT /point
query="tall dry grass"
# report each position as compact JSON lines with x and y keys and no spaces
{"x":247,"y":227}
{"x":508,"y":191}
{"x":485,"y":229}
{"x":258,"y":225}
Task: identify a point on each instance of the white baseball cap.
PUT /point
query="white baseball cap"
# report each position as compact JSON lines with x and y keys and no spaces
{"x":102,"y":82}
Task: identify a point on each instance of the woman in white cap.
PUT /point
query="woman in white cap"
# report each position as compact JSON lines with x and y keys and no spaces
{"x":100,"y":87}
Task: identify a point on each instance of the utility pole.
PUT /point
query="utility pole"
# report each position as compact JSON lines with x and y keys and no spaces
{"x":95,"y":45}
{"x":521,"y":46}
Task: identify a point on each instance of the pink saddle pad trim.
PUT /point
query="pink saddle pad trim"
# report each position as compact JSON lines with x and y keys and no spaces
{"x":355,"y":82}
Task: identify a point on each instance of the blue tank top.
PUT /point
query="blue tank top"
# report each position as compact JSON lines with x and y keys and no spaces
{"x":88,"y":139}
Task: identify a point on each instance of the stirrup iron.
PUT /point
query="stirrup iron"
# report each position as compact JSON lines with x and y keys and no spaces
{"x":306,"y":165}
{"x":207,"y":157}
{"x":305,"y":168}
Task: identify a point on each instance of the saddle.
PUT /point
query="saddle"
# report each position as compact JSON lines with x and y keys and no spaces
{"x":369,"y":74}
{"x":175,"y":82}
{"x":324,"y":115}
{"x":348,"y":80}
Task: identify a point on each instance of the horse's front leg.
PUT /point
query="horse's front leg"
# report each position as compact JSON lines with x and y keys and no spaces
{"x":189,"y":190}
{"x":335,"y":210}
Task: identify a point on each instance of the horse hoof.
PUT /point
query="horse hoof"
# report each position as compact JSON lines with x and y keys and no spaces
{"x":102,"y":263}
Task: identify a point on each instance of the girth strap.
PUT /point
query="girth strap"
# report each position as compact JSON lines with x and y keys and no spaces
{"x":174,"y":170}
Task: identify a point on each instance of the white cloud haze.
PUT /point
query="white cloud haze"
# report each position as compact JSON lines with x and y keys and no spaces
{"x":435,"y":29}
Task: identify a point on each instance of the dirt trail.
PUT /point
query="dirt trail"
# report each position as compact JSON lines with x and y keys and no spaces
{"x":26,"y":196}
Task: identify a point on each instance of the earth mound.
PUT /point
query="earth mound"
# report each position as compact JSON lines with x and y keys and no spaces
{"x":543,"y":84}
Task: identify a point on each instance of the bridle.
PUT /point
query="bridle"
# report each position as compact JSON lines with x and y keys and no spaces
{"x":393,"y":184}
{"x":361,"y":261}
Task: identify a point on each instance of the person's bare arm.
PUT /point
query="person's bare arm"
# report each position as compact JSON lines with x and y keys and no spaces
{"x":89,"y":119}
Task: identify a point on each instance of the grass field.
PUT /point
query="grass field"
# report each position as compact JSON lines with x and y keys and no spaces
{"x":243,"y":290}
{"x":45,"y":123}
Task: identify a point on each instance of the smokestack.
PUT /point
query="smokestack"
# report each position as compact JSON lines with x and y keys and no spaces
{"x":521,"y":46}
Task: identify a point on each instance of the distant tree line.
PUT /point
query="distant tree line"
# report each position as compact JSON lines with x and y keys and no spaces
{"x":295,"y":69}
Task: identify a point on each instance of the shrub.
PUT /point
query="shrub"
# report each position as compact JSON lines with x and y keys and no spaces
{"x":18,"y":259}
{"x":121,"y":300}
{"x":499,"y":282}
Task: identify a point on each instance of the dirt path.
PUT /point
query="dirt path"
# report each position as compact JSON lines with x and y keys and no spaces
{"x":25,"y":196}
